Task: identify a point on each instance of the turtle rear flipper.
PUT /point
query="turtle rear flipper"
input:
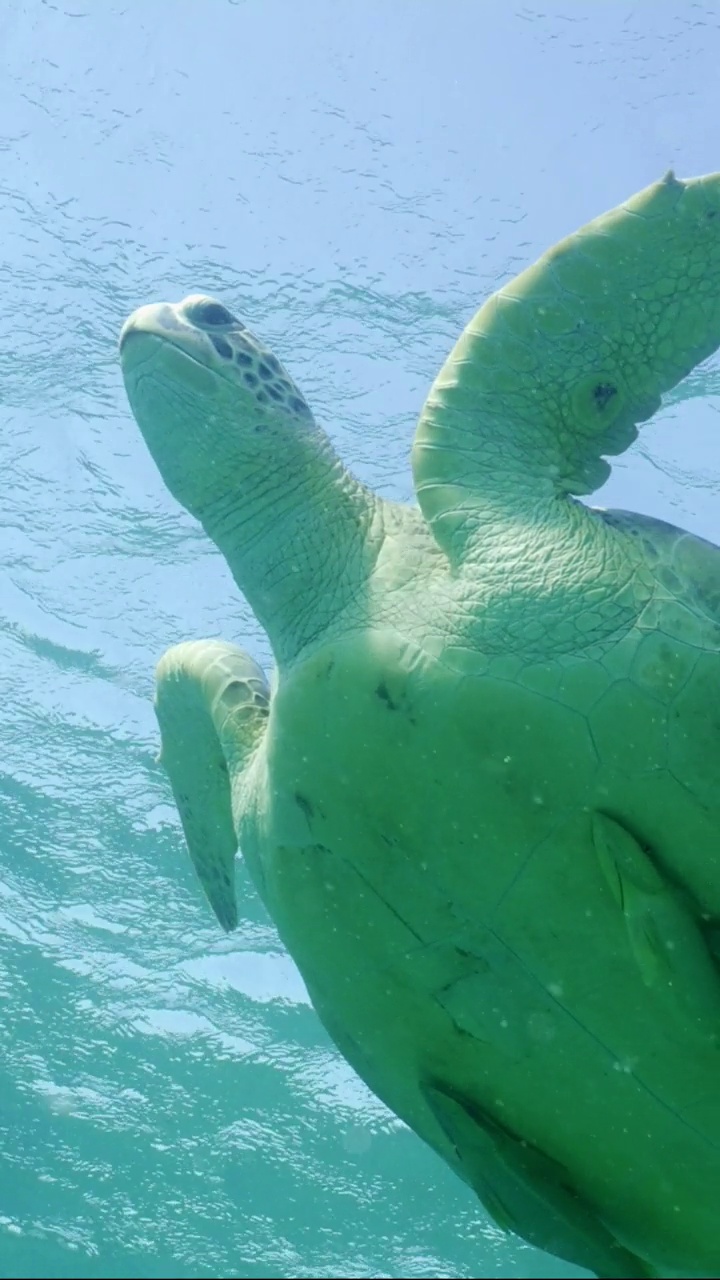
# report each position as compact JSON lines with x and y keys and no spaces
{"x":527,"y":1192}
{"x":665,"y":937}
{"x":212,"y":705}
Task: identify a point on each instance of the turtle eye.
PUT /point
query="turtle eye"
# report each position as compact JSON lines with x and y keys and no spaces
{"x":211,"y":314}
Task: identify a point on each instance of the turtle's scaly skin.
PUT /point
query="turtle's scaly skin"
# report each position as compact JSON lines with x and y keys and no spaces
{"x":482,"y":803}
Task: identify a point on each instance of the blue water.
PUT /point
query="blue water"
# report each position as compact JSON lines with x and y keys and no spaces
{"x":352,"y":178}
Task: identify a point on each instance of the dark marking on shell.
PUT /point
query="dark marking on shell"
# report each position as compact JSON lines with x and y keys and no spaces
{"x":304,"y":804}
{"x":383,"y":693}
{"x":461,"y":1031}
{"x":324,"y":672}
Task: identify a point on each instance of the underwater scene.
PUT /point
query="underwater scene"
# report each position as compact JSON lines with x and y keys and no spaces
{"x":361,"y":469}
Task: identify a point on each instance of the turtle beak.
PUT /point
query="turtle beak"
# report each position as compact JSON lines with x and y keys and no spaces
{"x":157,"y":318}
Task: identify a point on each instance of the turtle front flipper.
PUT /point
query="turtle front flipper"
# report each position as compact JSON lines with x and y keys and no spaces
{"x":527,"y":1192}
{"x":212,"y":705}
{"x":559,"y":366}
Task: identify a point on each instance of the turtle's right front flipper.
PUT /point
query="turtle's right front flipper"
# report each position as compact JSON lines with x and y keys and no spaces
{"x":527,"y":1192}
{"x":212,"y":706}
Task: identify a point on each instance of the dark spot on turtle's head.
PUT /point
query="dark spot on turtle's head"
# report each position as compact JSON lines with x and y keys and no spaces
{"x":276,"y":393}
{"x":259,"y":692}
{"x":273,"y":363}
{"x":222,"y":346}
{"x":265,"y":371}
{"x":250,"y":379}
{"x":212,"y":314}
{"x":243,"y":358}
{"x":235,"y":694}
{"x":603,"y":393}
{"x":262,"y":397}
{"x":298,"y":405}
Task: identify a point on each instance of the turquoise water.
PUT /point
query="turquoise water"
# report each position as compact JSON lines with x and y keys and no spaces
{"x":351,"y":179}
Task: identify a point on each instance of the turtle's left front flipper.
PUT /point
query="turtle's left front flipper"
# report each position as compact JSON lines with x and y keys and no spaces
{"x":212,"y":706}
{"x":527,"y":1192}
{"x":558,"y":368}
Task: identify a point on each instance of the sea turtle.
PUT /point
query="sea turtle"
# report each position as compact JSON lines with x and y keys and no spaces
{"x":482,"y":801}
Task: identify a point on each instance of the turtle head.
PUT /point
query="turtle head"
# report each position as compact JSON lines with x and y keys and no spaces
{"x":214,"y":405}
{"x":238,"y":447}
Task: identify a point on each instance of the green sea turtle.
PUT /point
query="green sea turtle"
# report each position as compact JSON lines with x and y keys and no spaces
{"x":482,"y":802}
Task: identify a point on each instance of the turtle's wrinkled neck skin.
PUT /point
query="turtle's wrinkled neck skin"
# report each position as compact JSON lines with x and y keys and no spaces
{"x":237,"y":445}
{"x":292,"y":532}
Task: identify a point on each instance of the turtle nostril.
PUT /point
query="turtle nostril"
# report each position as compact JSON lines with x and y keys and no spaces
{"x":211,"y":314}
